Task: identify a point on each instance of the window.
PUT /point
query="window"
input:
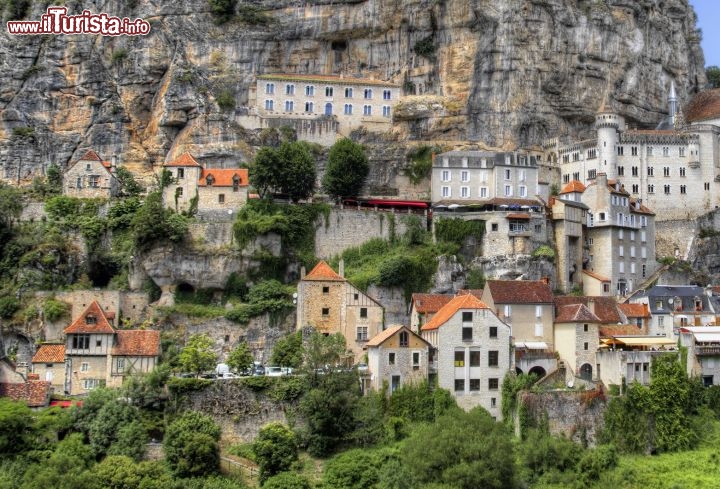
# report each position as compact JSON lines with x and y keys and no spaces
{"x":606,"y":287}
{"x":467,"y":317}
{"x":81,"y":342}
{"x":180,"y":173}
{"x":666,"y":171}
{"x":386,"y":111}
{"x":93,"y":181}
{"x":367,"y":93}
{"x":592,"y":174}
{"x":707,"y":186}
{"x":325,"y":311}
{"x":446,"y":192}
{"x":387,"y":94}
{"x":464,"y":192}
{"x":493,"y":384}
{"x":682,"y":171}
{"x":459,"y":385}
{"x":467,"y":334}
{"x":78,"y":182}
{"x":635,"y":188}
{"x":650,"y":151}
{"x":84,"y":367}
{"x":683,"y":189}
{"x":404,"y":339}
{"x":464,"y":176}
{"x":651,"y":189}
{"x":667,"y":189}
{"x":328,"y":91}
{"x":309,"y":90}
{"x":391,"y":358}
{"x":289,"y":89}
{"x":270,"y":88}
{"x":493,"y":358}
{"x":585,"y":328}
{"x":348,"y":109}
{"x":326,"y":289}
{"x":539,"y":329}
{"x":493,"y":402}
{"x":367,"y":109}
{"x":601,"y":216}
{"x":459,"y":358}
{"x":474,"y":358}
{"x":508,"y":190}
{"x":98,"y":343}
{"x":666,"y":151}
{"x":621,"y":171}
{"x":483,"y":192}
{"x":348,"y":92}
{"x":566,"y":178}
{"x":681,"y":153}
{"x":585,"y":345}
{"x":620,"y":150}
{"x":633,"y":151}
{"x":621,"y":267}
{"x":269,"y":105}
{"x":363,"y":312}
{"x":620,"y":236}
{"x":508,"y":310}
{"x":523,"y":191}
{"x":474,"y":385}
{"x":361,"y":333}
{"x":507,"y":174}
{"x":445,"y":175}
{"x":416,"y":360}
{"x":221,"y":198}
{"x":119,"y":365}
{"x":93,"y":383}
{"x":289,"y":106}
{"x":493,"y":226}
{"x":356,"y":296}
{"x":651,"y":171}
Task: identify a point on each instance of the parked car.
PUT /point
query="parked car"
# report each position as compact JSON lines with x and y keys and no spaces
{"x":228,"y":375}
{"x":274,"y":371}
{"x":258,"y":369}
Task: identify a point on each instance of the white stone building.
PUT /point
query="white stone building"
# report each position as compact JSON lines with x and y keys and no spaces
{"x":397,"y":357}
{"x":703,"y":352}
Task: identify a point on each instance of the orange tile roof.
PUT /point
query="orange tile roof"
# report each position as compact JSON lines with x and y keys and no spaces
{"x":36,"y":393}
{"x":574,"y":186}
{"x":429,"y":303}
{"x":185,"y":159}
{"x":50,"y":354}
{"x":137,"y":343}
{"x":635,"y":310}
{"x":476,"y":292}
{"x":466,"y":301}
{"x":326,"y":78}
{"x":619,"y":330}
{"x":704,"y":105}
{"x":605,"y":308}
{"x":379,"y":338}
{"x":323,"y":272}
{"x":596,"y":276}
{"x":518,"y":215}
{"x":91,"y":155}
{"x":520,"y":292}
{"x":80,"y":325}
{"x":224,"y":177}
{"x":575,"y":313}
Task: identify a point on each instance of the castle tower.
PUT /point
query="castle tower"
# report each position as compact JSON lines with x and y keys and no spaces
{"x":607,"y":125}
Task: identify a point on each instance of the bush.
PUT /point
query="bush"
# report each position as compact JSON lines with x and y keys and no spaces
{"x":544,"y":251}
{"x":287,"y":480}
{"x":457,"y":231}
{"x":8,"y":306}
{"x":54,"y":309}
{"x":425,"y":48}
{"x":191,"y":445}
{"x":275,"y":450}
{"x":225,"y":99}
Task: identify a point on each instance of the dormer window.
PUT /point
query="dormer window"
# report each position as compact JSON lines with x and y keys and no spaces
{"x":90,"y":319}
{"x":698,"y":304}
{"x":236,"y":183}
{"x":210,"y":179}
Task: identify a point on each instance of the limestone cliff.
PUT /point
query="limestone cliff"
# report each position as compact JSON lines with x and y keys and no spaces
{"x":498,"y":73}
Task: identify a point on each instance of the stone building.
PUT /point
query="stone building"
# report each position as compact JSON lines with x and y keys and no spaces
{"x":703,"y":352}
{"x":424,"y":306}
{"x":673,"y":307}
{"x":569,"y":218}
{"x":471,"y":352}
{"x":397,"y":356}
{"x":49,"y":363}
{"x":328,"y":303}
{"x":310,"y":102}
{"x":214,"y":189}
{"x":577,"y":339}
{"x":527,"y":307}
{"x":91,"y":177}
{"x":620,"y":236}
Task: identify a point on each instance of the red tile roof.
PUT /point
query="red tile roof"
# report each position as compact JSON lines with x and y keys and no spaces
{"x":619,"y":330}
{"x":323,"y":272}
{"x":90,"y":155}
{"x":605,"y":308}
{"x":635,"y":310}
{"x":137,"y":343}
{"x":380,"y":338}
{"x":466,"y":301}
{"x":50,"y":354}
{"x":520,"y":292}
{"x":704,"y":105}
{"x":224,"y":177}
{"x":575,"y":313}
{"x":476,"y":292}
{"x":574,"y":186}
{"x":596,"y":276}
{"x":101,"y":324}
{"x":36,"y":393}
{"x":429,"y":303}
{"x":185,"y":159}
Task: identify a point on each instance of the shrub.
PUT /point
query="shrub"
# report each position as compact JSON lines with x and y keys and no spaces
{"x":455,"y":230}
{"x":54,"y":309}
{"x":426,"y":48}
{"x":275,"y":448}
{"x":544,"y":251}
{"x":191,"y":445}
{"x":119,"y":55}
{"x":225,"y":99}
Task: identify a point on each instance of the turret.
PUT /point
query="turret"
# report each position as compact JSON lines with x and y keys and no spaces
{"x":607,"y":125}
{"x":672,"y":103}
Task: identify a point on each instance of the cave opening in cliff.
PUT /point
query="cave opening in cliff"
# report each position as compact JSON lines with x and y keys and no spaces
{"x":101,"y":269}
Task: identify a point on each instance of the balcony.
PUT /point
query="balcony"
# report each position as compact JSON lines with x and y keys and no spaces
{"x":707,"y":350}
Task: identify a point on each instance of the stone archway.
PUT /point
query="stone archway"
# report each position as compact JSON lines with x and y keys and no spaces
{"x":586,"y":371}
{"x":539,"y":371}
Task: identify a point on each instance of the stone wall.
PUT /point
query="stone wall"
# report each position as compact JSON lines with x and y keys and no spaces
{"x":575,"y":415}
{"x":676,"y":238}
{"x":33,"y":211}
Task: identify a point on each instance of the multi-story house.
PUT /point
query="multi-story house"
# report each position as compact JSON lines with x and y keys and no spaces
{"x":91,"y":177}
{"x":675,"y":306}
{"x":98,"y":355}
{"x":569,"y":219}
{"x":213,"y":189}
{"x":49,"y":364}
{"x":620,"y":236}
{"x":351,"y":102}
{"x":397,"y":356}
{"x":527,"y":306}
{"x":328,"y":303}
{"x":703,"y":352}
{"x":424,"y":306}
{"x":471,"y":352}
{"x":577,"y":339}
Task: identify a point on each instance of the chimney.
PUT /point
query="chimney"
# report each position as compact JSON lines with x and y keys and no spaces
{"x":302,"y":272}
{"x":113,"y":165}
{"x":341,"y":268}
{"x":591,"y":305}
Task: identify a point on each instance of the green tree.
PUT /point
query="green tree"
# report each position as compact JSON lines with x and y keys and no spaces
{"x":264,"y":171}
{"x":287,"y":480}
{"x":297,"y":178}
{"x":713,"y":76}
{"x":275,"y":450}
{"x":353,"y":469}
{"x":107,"y":425}
{"x":83,"y":416}
{"x":240,"y":358}
{"x":67,"y":467}
{"x":121,"y":472}
{"x":346,"y":170}
{"x":197,"y":356}
{"x":152,"y":223}
{"x":54,"y":179}
{"x":288,"y":351}
{"x":191,"y":445}
{"x":15,"y":426}
{"x":10,"y":209}
{"x":129,"y":187}
{"x":323,"y":352}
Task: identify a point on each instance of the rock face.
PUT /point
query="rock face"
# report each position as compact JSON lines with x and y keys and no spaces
{"x":499,"y":73}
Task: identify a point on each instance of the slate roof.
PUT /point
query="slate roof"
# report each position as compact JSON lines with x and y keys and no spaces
{"x":520,"y":292}
{"x":137,"y":343}
{"x":223,"y":177}
{"x":185,"y":159}
{"x":430,"y":303}
{"x":80,"y":325}
{"x":323,"y":272}
{"x":575,"y":313}
{"x":686,"y":294}
{"x":606,"y":308}
{"x":467,"y":301}
{"x":49,"y":354}
{"x":704,"y":105}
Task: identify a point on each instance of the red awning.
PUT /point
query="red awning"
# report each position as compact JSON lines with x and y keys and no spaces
{"x":518,"y":215}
